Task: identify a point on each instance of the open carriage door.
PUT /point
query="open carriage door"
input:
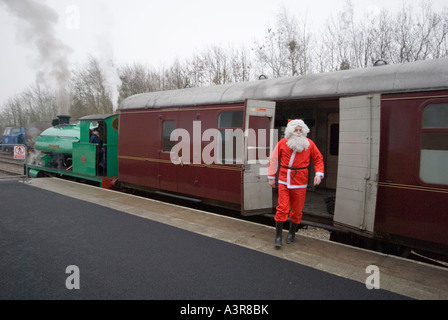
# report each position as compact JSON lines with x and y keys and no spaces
{"x":359,"y":134}
{"x":258,"y":146}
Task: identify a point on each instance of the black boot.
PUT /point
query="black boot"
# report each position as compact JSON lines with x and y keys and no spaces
{"x":278,"y":234}
{"x":292,"y":232}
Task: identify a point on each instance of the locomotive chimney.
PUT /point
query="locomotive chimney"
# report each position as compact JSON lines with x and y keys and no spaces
{"x":62,"y":120}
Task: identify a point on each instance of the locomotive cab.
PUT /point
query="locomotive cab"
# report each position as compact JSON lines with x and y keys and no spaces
{"x":97,"y":159}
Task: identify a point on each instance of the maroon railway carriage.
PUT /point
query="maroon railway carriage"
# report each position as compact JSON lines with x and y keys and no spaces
{"x":201,"y":170}
{"x":383,"y":132}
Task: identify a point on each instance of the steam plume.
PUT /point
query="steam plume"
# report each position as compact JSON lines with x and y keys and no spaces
{"x":109,"y":70}
{"x":36,"y":23}
{"x":112,"y":80}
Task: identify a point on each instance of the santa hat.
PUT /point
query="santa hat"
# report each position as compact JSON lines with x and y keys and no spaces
{"x":292,"y":125}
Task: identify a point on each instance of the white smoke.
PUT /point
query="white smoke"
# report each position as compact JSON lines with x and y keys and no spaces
{"x":112,"y":80}
{"x":36,"y":29}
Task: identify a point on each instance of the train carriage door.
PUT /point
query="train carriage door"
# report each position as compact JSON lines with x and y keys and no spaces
{"x":258,"y":146}
{"x":359,"y":133}
{"x":167,"y":173}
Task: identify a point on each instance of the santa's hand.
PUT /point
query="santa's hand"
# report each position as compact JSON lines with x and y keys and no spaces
{"x":317,"y":180}
{"x":272,"y":182}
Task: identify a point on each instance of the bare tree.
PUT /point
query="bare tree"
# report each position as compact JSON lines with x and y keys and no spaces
{"x":174,"y":77}
{"x":415,"y":36}
{"x":196,"y":68}
{"x":383,"y":37}
{"x":403,"y":37}
{"x":336,"y":41}
{"x":39,"y":102}
{"x":134,"y":80}
{"x":240,"y":65}
{"x":431,"y":29}
{"x":296,"y":40}
{"x":14,"y":112}
{"x":270,"y":54}
{"x":88,"y":90}
{"x":218,"y":65}
{"x":35,"y":104}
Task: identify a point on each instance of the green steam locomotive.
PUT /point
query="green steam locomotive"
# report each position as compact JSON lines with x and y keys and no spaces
{"x":67,"y":150}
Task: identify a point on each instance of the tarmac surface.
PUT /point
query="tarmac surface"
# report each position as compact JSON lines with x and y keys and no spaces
{"x":127,"y":247}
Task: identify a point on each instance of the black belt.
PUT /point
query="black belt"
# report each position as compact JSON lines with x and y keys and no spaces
{"x":294,"y":169}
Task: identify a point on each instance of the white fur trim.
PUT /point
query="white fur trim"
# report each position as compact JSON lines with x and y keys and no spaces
{"x":290,"y":186}
{"x":292,"y":125}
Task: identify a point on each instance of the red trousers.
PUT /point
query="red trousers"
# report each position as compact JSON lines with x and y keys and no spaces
{"x":290,"y":202}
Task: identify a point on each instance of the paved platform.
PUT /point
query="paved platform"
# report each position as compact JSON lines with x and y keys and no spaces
{"x":333,"y":261}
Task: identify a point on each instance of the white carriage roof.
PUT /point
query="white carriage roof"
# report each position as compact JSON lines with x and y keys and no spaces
{"x":420,"y":75}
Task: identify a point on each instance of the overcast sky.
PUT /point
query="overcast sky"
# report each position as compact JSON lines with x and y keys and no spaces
{"x":154,"y":32}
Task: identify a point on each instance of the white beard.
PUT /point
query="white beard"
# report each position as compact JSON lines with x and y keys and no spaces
{"x":298,"y":142}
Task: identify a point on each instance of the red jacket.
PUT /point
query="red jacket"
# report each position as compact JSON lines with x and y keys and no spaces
{"x":293,"y":170}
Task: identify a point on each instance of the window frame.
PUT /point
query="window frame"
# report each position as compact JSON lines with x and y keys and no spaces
{"x":425,"y":131}
{"x":171,"y":143}
{"x":222,"y":135}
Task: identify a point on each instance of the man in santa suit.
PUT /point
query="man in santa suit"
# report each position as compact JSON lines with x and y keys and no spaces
{"x":293,"y":154}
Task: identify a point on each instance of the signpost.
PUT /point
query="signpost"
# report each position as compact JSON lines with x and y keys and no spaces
{"x":19,"y":152}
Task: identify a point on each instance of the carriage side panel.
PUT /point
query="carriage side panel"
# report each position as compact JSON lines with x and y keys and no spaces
{"x":409,"y":207}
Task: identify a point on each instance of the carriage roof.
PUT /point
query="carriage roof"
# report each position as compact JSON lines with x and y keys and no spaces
{"x":421,"y":75}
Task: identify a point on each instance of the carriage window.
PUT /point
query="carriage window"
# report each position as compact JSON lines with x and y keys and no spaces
{"x":436,"y":116}
{"x":434,"y":144}
{"x":168,"y":128}
{"x":231,"y":140}
{"x":231,"y":119}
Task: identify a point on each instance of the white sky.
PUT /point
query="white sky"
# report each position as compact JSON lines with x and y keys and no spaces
{"x":155,"y":32}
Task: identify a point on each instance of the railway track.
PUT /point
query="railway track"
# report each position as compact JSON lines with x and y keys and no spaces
{"x":9,"y":166}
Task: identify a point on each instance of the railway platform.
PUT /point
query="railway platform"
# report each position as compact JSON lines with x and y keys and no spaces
{"x":96,"y":228}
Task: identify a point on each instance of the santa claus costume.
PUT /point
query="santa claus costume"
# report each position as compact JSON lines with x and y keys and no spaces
{"x":293,"y":154}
